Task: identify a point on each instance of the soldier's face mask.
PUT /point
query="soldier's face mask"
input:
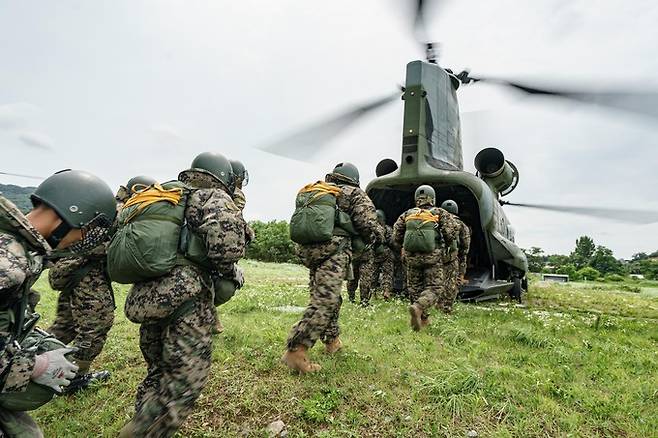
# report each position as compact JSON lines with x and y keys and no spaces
{"x":90,"y":237}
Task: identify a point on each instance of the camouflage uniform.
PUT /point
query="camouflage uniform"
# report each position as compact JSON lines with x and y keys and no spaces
{"x":328,"y":263}
{"x":85,"y":308}
{"x":384,"y":259}
{"x":425,"y":276}
{"x":363,"y":269}
{"x":21,"y":263}
{"x":176,"y":313}
{"x":454,"y":266}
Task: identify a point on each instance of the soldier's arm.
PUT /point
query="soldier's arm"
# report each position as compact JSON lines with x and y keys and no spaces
{"x":448,"y":228}
{"x":216,"y":219}
{"x":364,"y":217}
{"x":16,"y":365}
{"x":464,"y":245}
{"x":398,"y":233}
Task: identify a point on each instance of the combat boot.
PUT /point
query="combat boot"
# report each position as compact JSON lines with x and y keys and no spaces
{"x":218,"y":328}
{"x":298,"y":360}
{"x":416,"y":317}
{"x":84,"y":381}
{"x":128,"y":430}
{"x":333,"y":346}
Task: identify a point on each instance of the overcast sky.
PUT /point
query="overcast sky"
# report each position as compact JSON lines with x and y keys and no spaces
{"x":139,"y":87}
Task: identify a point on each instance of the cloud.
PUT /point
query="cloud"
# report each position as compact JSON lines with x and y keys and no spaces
{"x":16,"y":115}
{"x":36,"y":140}
{"x":167,"y":136}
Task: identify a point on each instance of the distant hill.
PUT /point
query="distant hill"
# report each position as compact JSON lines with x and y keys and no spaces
{"x":18,"y":195}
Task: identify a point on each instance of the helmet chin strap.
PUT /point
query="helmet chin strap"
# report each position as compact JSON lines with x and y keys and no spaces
{"x":58,"y":234}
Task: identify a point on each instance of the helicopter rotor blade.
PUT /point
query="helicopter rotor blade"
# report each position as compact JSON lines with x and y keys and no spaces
{"x":22,"y":176}
{"x":305,"y":143}
{"x":645,"y":102}
{"x":640,"y":217}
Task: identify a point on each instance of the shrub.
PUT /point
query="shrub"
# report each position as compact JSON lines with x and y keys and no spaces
{"x":614,"y":277}
{"x":272,"y":243}
{"x":588,"y":273}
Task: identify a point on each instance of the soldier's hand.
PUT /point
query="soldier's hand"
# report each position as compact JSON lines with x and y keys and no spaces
{"x":238,"y":277}
{"x":52,"y":369}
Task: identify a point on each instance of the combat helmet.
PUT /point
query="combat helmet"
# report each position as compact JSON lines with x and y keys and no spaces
{"x":450,"y":206}
{"x":217,"y":166}
{"x":425,"y":195}
{"x":345,"y":173}
{"x":240,"y":172}
{"x":126,"y":191}
{"x":80,"y":199}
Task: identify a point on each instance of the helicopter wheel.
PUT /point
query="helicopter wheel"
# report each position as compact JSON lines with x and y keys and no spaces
{"x":516,"y":291}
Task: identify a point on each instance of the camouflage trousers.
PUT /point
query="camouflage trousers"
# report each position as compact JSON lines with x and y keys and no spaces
{"x":177,"y":354}
{"x":449,"y":293}
{"x":424,"y":279}
{"x":364,"y":276}
{"x":320,"y":320}
{"x":18,"y":425}
{"x":383,"y":271}
{"x":85,"y":315}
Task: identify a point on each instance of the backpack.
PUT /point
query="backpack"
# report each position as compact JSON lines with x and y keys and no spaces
{"x":315,"y":213}
{"x":421,"y":233}
{"x":152,"y":236}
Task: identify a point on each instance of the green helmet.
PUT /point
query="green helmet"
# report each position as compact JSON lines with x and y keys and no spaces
{"x":451,"y":206}
{"x":216,"y":165}
{"x":141,"y":180}
{"x":80,"y":199}
{"x":346,"y":172}
{"x":381,"y":216}
{"x":425,"y":196}
{"x":240,"y":172}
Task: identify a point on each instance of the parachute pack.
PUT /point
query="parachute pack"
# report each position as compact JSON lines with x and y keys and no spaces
{"x":317,"y":218}
{"x":421,"y":231}
{"x":152,"y":236}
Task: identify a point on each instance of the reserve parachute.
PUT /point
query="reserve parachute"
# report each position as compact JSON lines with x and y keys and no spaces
{"x":421,"y":231}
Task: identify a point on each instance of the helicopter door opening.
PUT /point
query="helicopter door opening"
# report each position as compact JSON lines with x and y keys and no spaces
{"x":396,"y":200}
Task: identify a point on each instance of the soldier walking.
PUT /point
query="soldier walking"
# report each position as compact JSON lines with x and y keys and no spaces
{"x":455,"y":261}
{"x":383,"y":269}
{"x":424,"y":233}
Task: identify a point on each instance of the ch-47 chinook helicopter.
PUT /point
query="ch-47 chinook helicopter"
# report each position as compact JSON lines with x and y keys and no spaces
{"x":432,"y":154}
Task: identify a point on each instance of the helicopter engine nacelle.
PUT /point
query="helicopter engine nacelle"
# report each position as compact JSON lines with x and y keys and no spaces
{"x":500,"y":174}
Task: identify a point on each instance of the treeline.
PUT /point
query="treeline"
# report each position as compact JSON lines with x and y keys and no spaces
{"x":272,"y":242}
{"x":590,"y":261}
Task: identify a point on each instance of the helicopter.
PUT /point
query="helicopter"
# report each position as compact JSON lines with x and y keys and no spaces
{"x":431,"y":153}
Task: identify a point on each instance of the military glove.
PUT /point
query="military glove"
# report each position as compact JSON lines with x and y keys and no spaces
{"x":52,"y":369}
{"x":238,"y":277}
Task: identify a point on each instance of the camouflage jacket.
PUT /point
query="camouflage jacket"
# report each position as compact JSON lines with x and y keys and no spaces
{"x":239,"y":199}
{"x":448,"y":229}
{"x":63,"y":272}
{"x":21,"y":263}
{"x":386,"y":246}
{"x":463,"y":245}
{"x":211,"y":215}
{"x":353,"y":201}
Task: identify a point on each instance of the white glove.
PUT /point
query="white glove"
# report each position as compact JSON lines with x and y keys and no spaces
{"x":238,"y":277}
{"x":53,"y":369}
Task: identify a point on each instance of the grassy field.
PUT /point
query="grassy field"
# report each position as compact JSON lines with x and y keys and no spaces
{"x":578,"y":360}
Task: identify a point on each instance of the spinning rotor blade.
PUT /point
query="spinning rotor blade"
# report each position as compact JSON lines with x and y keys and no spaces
{"x":641,"y":217}
{"x":22,"y":176}
{"x":420,"y":26}
{"x":645,"y":103}
{"x":305,"y":143}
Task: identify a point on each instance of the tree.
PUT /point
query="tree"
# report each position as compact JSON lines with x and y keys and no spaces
{"x":569,"y":270}
{"x":583,"y":252}
{"x":557,"y":261}
{"x":605,"y":262}
{"x":272,"y":243}
{"x":536,"y":259}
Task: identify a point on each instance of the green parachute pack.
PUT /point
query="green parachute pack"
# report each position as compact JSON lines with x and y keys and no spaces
{"x":317,"y":218}
{"x":152,"y":237}
{"x":421,"y":233}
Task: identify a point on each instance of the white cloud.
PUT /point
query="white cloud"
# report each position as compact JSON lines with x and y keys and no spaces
{"x":36,"y":140}
{"x":16,"y":115}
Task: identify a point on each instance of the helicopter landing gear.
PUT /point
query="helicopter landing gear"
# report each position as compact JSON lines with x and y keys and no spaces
{"x":517,"y":290}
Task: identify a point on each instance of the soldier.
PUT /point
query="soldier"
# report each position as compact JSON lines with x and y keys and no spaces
{"x":177,"y":347}
{"x":384,"y":259}
{"x":85,"y":307}
{"x":72,"y":210}
{"x":135,"y":183}
{"x":454,"y":262}
{"x":424,"y":233}
{"x":328,"y":263}
{"x":241,"y":179}
{"x":363,"y":270}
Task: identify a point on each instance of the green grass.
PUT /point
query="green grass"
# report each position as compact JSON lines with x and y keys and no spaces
{"x":577,"y":360}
